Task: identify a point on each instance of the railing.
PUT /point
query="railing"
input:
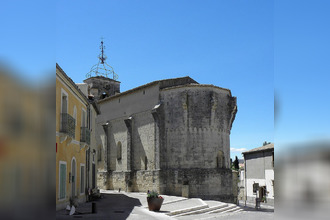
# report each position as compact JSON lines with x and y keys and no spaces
{"x":68,"y":124}
{"x":85,"y":135}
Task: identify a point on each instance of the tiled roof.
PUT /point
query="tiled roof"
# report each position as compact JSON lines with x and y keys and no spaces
{"x":263,"y":148}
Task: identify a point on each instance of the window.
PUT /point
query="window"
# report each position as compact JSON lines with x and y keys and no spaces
{"x":64,"y":101}
{"x":82,"y":178}
{"x":119,"y":151}
{"x":89,"y":118}
{"x":64,"y":106}
{"x":83,"y":118}
{"x":62,"y":179}
{"x":145,"y":162}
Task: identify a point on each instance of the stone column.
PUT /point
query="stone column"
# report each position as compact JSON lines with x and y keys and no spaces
{"x":106,"y":156}
{"x":130,"y":161}
{"x":106,"y":148}
{"x":156,"y":115}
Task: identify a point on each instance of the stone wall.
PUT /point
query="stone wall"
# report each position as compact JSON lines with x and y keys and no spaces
{"x":143,"y":141}
{"x":117,"y":134}
{"x":119,"y":180}
{"x":195,"y":127}
{"x":145,"y":180}
{"x":125,"y":105}
{"x":99,"y":85}
{"x":137,"y":181}
{"x":235,"y":185}
{"x":102,"y":180}
{"x":170,"y":139}
{"x":215,"y":184}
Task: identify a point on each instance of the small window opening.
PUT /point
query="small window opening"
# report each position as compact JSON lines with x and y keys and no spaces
{"x":145,"y":162}
{"x":119,"y":151}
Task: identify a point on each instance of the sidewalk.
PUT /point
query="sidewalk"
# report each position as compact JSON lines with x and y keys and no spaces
{"x":133,"y":205}
{"x":117,"y":205}
{"x":251,"y":206}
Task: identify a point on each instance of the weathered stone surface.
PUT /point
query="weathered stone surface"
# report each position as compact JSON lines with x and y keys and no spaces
{"x":185,"y":191}
{"x":101,"y":87}
{"x":203,"y":183}
{"x":170,"y":136}
{"x":235,"y":186}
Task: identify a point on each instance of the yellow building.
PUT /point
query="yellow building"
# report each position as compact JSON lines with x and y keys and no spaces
{"x":72,"y":140}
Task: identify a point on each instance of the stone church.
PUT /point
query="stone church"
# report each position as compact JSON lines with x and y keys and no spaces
{"x":170,"y":135}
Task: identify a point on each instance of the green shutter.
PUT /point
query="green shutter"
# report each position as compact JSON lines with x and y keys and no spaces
{"x":82,"y":175}
{"x":62,"y":180}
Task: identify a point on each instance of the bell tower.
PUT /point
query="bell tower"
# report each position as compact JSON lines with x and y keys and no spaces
{"x":102,"y":79}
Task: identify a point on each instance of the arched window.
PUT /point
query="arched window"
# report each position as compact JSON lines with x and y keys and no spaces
{"x":119,"y":150}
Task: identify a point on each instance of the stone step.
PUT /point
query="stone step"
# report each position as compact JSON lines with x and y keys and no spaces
{"x":179,"y":200}
{"x":222,"y":210}
{"x":239,"y":210}
{"x":201,"y":211}
{"x":184,"y":206}
{"x":235,"y":209}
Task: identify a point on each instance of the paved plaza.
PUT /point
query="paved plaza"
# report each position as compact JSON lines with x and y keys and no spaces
{"x":133,"y":205}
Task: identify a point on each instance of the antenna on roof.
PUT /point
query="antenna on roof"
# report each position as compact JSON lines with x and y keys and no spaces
{"x":102,"y":68}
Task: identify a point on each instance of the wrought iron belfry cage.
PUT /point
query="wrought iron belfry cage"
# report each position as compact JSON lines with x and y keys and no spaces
{"x":102,"y":68}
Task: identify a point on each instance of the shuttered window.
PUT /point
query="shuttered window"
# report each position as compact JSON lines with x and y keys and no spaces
{"x":62,"y":181}
{"x":82,"y":179}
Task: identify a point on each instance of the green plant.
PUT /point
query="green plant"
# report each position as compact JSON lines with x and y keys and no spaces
{"x":152,"y":194}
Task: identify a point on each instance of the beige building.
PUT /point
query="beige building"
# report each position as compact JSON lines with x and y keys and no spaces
{"x":72,"y":141}
{"x":92,"y":152}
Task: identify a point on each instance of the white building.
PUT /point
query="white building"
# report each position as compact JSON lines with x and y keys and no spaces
{"x":259,"y":174}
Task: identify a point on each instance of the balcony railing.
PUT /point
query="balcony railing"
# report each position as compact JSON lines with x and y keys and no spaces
{"x":68,"y":124}
{"x":85,"y":135}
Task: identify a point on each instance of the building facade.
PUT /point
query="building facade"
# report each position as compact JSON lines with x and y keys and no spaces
{"x":72,"y":140}
{"x":259,"y":174}
{"x":171,"y":136}
{"x":92,"y":152}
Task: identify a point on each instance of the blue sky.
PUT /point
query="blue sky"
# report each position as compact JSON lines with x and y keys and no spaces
{"x":225,"y":43}
{"x":302,"y":70}
{"x":250,"y":47}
